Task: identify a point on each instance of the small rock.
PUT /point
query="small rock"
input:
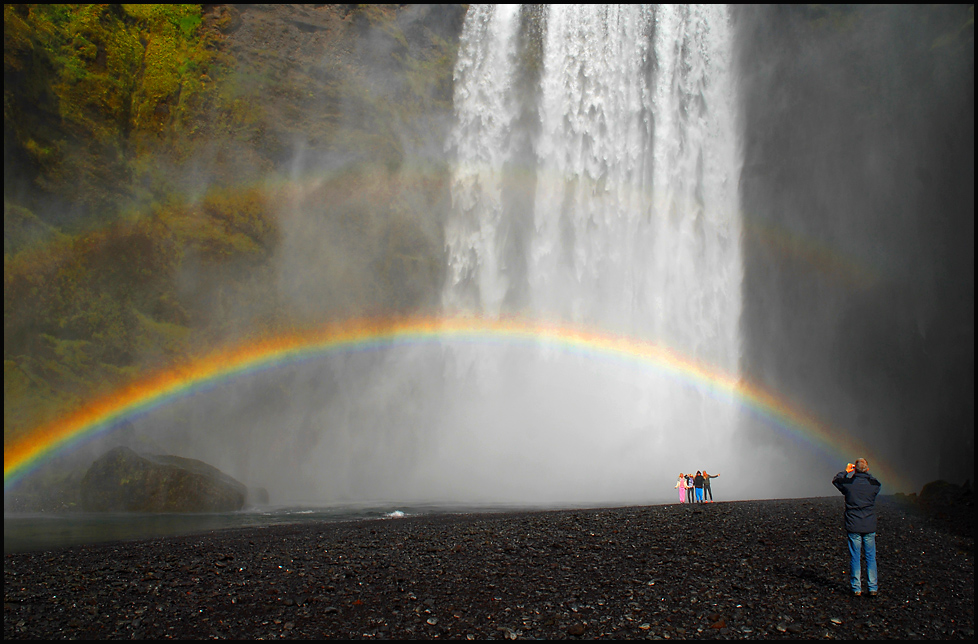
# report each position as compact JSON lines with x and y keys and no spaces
{"x":576,"y":629}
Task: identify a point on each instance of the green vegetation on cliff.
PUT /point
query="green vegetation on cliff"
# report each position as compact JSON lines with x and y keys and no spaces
{"x":90,"y":88}
{"x":152,"y":203}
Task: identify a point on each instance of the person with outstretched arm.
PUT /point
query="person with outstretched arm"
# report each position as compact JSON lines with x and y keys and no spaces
{"x":860,"y":489}
{"x":706,"y":486}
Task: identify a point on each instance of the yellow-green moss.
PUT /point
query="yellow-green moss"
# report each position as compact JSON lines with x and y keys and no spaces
{"x":89,"y":88}
{"x":85,"y":313}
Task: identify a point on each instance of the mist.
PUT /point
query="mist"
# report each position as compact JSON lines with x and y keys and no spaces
{"x":534,"y":227}
{"x":783,"y":195}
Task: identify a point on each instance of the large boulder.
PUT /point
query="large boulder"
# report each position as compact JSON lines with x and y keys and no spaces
{"x":123,"y":481}
{"x":941,"y":494}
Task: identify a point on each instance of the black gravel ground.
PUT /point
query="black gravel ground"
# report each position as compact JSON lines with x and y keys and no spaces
{"x":750,"y":569}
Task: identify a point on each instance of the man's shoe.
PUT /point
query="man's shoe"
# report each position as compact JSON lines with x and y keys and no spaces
{"x":872,"y":593}
{"x":856,"y":593}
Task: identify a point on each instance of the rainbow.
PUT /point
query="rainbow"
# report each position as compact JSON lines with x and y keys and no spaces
{"x":104,"y":414}
{"x":829,"y":262}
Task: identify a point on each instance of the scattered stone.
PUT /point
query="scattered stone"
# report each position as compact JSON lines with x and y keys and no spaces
{"x":289,"y":580}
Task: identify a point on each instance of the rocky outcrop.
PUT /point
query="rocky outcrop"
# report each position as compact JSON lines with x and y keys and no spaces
{"x":946,"y":506}
{"x":943,"y":494}
{"x":124,"y":481}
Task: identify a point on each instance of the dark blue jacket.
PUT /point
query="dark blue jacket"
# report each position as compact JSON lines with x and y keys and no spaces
{"x":860,"y":491}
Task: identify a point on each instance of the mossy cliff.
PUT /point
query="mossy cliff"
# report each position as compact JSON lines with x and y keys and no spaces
{"x":177,"y":176}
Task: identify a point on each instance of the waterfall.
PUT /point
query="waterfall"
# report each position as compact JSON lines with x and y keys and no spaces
{"x":611,"y":201}
{"x":595,"y":184}
{"x":595,"y":177}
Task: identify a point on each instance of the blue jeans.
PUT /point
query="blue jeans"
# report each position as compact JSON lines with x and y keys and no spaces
{"x":699,"y":495}
{"x":865,"y":542}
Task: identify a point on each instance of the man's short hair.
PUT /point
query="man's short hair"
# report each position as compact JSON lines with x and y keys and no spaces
{"x":861,"y":465}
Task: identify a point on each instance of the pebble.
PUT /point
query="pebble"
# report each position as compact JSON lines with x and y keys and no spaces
{"x":597,"y":573}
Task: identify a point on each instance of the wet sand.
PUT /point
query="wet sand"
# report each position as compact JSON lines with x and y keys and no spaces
{"x":750,"y":569}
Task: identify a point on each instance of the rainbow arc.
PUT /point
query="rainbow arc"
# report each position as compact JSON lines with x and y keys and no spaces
{"x":108,"y":412}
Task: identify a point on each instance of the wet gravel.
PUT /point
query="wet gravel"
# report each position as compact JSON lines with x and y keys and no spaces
{"x":752,"y":569}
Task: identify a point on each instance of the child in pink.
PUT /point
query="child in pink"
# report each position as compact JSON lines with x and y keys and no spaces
{"x":681,"y":486}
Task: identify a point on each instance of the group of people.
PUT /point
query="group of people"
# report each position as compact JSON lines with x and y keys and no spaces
{"x":860,"y":489}
{"x":694,"y":488}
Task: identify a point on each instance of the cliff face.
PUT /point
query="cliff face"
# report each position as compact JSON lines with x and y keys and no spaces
{"x":108,"y":108}
{"x":178,"y":176}
{"x":858,"y":199}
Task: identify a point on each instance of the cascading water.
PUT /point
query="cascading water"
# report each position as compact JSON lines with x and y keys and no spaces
{"x":633,"y":224}
{"x":595,"y":184}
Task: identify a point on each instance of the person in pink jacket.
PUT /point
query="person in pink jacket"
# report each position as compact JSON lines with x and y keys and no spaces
{"x":681,"y":486}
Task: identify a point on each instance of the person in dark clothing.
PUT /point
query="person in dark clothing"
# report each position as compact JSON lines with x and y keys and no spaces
{"x":698,"y":484}
{"x":860,"y":489}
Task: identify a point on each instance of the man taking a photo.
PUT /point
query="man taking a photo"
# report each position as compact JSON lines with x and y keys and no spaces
{"x":860,"y":489}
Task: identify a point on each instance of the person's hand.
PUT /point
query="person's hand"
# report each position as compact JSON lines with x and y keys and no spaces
{"x":849,"y":468}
